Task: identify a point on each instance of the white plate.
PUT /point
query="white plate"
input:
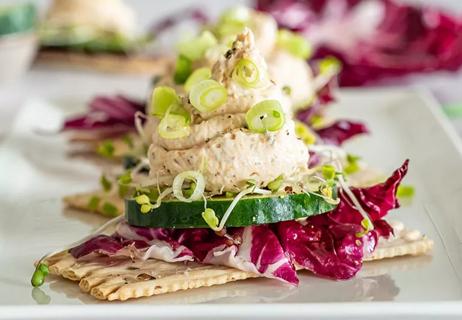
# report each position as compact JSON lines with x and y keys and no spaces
{"x":405,"y":124}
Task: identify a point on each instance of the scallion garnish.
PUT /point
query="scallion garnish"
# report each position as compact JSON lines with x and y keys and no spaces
{"x":329,"y":65}
{"x":105,"y":183}
{"x":328,"y":171}
{"x":303,"y":132}
{"x":162,"y":99}
{"x":405,"y":191}
{"x":106,"y":149}
{"x":145,"y":203}
{"x":233,"y":21}
{"x":93,"y":203}
{"x":294,"y":44}
{"x":367,"y":226}
{"x":276,"y":184}
{"x":208,"y":95}
{"x":265,"y":116}
{"x":109,"y":209}
{"x":193,"y":176}
{"x":183,"y":69}
{"x":174,"y":126}
{"x":195,"y":48}
{"x":352,"y":165}
{"x":197,"y":76}
{"x":247,"y":74}
{"x":210,"y":218}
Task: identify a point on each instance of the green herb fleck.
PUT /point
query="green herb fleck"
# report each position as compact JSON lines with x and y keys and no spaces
{"x":183,"y":69}
{"x":328,"y":172}
{"x":105,"y":183}
{"x":352,"y":165}
{"x":106,"y":149}
{"x":125,"y":178}
{"x":276,"y":184}
{"x":93,"y":203}
{"x":229,"y":194}
{"x":210,"y":218}
{"x":110,"y":210}
{"x":405,"y":191}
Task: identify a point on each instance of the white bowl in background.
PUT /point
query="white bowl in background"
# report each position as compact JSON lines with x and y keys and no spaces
{"x":17,"y":51}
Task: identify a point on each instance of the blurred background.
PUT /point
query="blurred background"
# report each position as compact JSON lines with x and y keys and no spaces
{"x":18,"y":83}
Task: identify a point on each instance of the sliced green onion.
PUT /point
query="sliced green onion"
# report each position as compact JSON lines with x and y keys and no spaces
{"x":265,"y":116}
{"x":229,"y":194}
{"x":326,"y":191}
{"x":142,"y":199}
{"x":106,"y":149}
{"x":93,"y":203}
{"x":105,"y":183}
{"x":329,"y":65}
{"x":145,"y":202}
{"x":196,"y":77}
{"x":210,"y":218}
{"x":247,"y":74}
{"x":276,"y":184}
{"x":183,"y":69}
{"x":233,"y":21}
{"x":195,"y":48}
{"x":352,"y":165}
{"x":110,"y":210}
{"x":303,"y":132}
{"x":237,"y":14}
{"x":193,"y":176}
{"x":125,"y":178}
{"x":328,"y":171}
{"x":405,"y":191}
{"x":163,"y":97}
{"x":208,"y":95}
{"x":294,"y":44}
{"x":367,"y":226}
{"x":173,"y":126}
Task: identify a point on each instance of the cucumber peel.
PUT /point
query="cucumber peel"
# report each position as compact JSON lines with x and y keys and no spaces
{"x":250,"y":210}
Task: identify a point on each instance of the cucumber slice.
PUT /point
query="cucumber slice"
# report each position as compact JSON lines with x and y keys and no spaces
{"x":17,"y":18}
{"x":251,"y":210}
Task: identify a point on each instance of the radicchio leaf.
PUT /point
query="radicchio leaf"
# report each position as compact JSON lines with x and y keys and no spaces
{"x":340,"y":131}
{"x":327,"y":244}
{"x":378,"y":38}
{"x":108,"y":113}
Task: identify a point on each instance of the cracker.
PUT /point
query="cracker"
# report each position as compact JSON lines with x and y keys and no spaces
{"x":112,"y":63}
{"x":122,"y":279}
{"x":126,"y":279}
{"x":83,"y":201}
{"x":404,"y":242}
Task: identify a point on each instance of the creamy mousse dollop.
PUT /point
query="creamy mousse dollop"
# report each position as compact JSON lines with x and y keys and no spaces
{"x":220,"y":145}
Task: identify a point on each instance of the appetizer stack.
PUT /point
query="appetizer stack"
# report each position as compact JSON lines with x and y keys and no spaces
{"x":230,"y":191}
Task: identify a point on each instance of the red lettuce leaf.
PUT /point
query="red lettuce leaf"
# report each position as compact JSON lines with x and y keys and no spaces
{"x":340,"y":131}
{"x":399,"y":38}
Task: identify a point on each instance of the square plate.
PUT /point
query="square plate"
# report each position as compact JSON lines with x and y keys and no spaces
{"x":36,"y":173}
